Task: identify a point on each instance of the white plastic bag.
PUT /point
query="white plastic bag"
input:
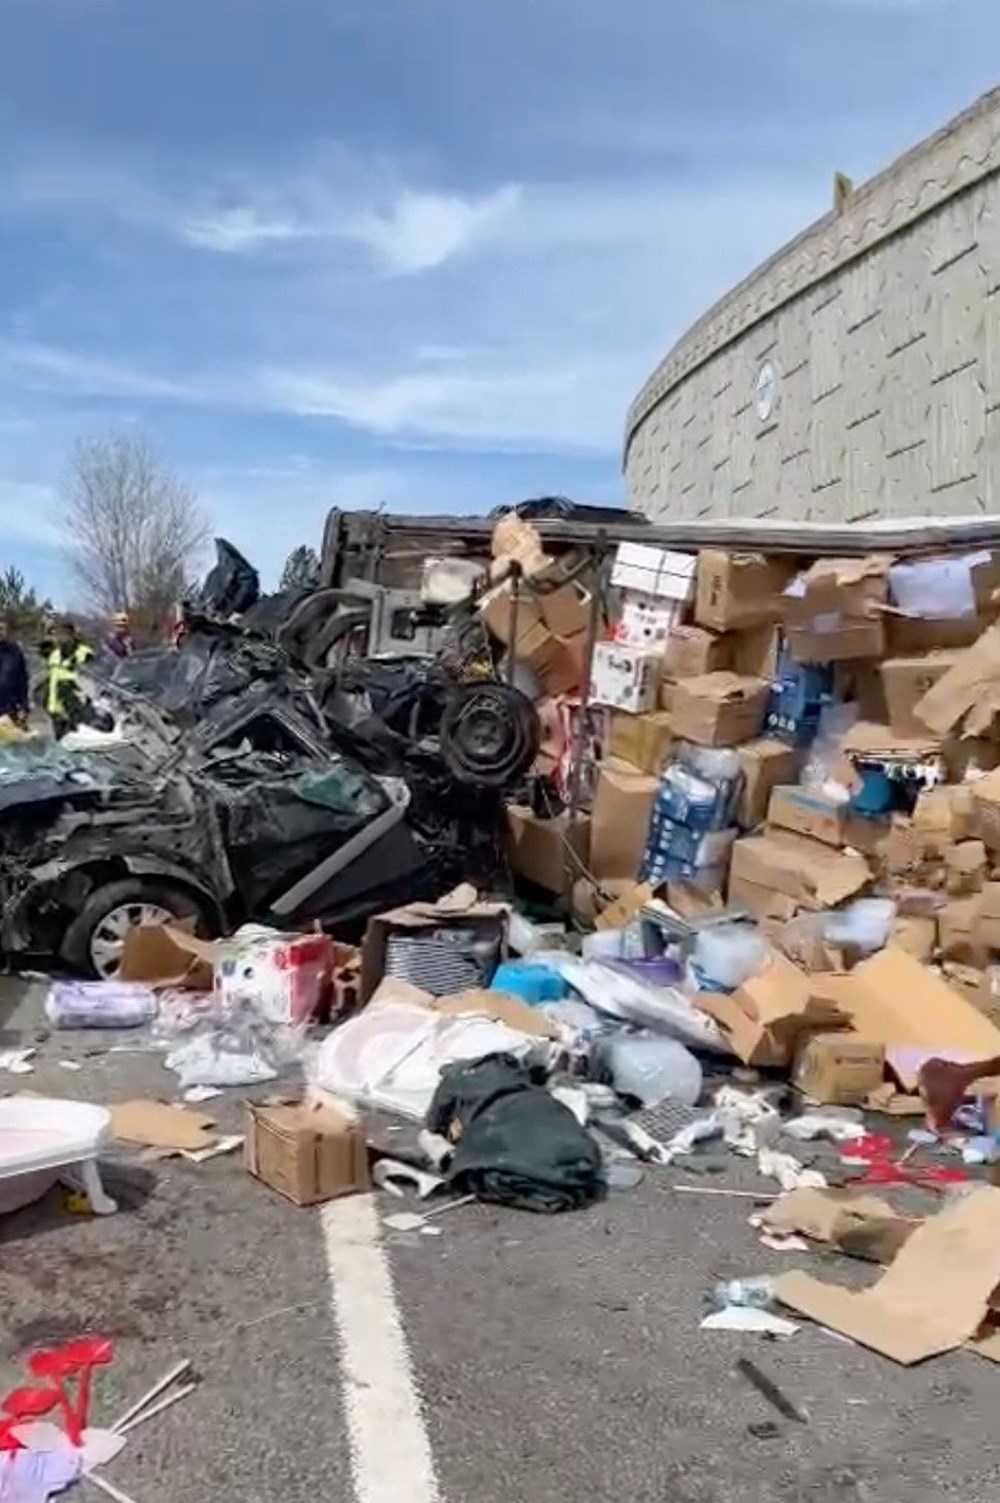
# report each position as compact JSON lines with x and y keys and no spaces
{"x":99,"y":1004}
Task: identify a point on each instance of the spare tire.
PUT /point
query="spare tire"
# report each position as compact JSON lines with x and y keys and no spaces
{"x":489,"y":735}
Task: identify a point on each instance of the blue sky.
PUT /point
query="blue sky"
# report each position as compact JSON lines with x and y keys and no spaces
{"x":419,"y":252}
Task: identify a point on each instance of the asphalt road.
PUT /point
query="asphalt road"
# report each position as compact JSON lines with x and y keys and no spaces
{"x":557,"y":1359}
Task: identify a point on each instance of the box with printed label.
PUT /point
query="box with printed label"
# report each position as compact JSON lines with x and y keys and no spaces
{"x":654,"y":571}
{"x":805,"y":812}
{"x":838,"y":1069}
{"x":626,"y":678}
{"x":645,"y":620}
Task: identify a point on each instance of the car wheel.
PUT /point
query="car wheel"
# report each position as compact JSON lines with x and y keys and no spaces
{"x":94,"y":941}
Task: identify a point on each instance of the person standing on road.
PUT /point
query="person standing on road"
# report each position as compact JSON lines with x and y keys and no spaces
{"x":118,"y":642}
{"x":13,"y":674}
{"x":64,"y":659}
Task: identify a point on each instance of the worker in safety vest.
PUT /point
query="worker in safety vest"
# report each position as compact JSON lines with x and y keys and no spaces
{"x":64,"y":657}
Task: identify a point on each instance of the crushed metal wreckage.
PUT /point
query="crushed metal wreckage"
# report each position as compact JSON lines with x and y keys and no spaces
{"x":238,"y":785}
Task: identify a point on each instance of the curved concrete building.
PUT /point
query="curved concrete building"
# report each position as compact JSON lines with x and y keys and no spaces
{"x":857,"y":372}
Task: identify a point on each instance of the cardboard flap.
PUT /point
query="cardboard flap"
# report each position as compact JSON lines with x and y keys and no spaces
{"x":969,"y":691}
{"x":932,"y":1299}
{"x":462,"y":902}
{"x":168,"y":955}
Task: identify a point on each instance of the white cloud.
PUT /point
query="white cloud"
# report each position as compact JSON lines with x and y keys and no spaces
{"x":419,"y":231}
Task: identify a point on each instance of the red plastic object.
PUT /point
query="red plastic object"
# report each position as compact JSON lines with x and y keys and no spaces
{"x":30,"y":1403}
{"x":8,"y":1441}
{"x":76,"y":1358}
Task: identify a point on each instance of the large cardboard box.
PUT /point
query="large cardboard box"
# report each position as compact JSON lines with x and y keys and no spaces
{"x":809,"y":873}
{"x":765,"y":764}
{"x":764,"y":1018}
{"x":837,"y":643}
{"x":537,"y":848}
{"x":986,"y":810}
{"x":806,"y":812}
{"x":988,"y":916}
{"x":645,"y":621}
{"x":943,"y":816}
{"x":906,"y":635}
{"x":719,"y":709}
{"x":559,"y":663}
{"x":692,"y":651}
{"x":497,"y":610}
{"x":307,"y":1151}
{"x":838,"y":1069}
{"x":967,"y":697}
{"x":626,"y":678}
{"x":641,"y":740}
{"x":833,"y":610}
{"x":459,"y":909}
{"x":654,"y":571}
{"x":565,"y":608}
{"x":739,"y":589}
{"x":762,"y":902}
{"x":906,"y":680}
{"x":619,"y":821}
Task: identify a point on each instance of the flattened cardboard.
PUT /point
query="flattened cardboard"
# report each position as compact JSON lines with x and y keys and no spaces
{"x":838,"y":1069}
{"x":805,"y":812}
{"x":905,"y":681}
{"x":619,"y":821}
{"x":933,"y":1298}
{"x":500,"y":1006}
{"x":968,"y":696}
{"x":719,"y":709}
{"x":900,"y":1003}
{"x":765,"y":764}
{"x":537,"y":848}
{"x":155,"y":1124}
{"x":810,"y":873}
{"x":823,"y":1215}
{"x":163,"y":955}
{"x":641,"y":740}
{"x":308,"y":1151}
{"x":739,"y":589}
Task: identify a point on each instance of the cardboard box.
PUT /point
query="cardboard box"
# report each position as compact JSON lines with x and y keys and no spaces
{"x":692,"y":651}
{"x":988,"y":916}
{"x":969,"y":757}
{"x":641,"y":740}
{"x":837,"y":643}
{"x":166,"y":955}
{"x":517,"y":540}
{"x":838,"y":1069}
{"x":906,"y":635}
{"x":497,"y":611}
{"x":809,"y":873}
{"x":965,"y":864}
{"x":906,"y":680}
{"x":719,"y":709}
{"x":867,"y":742}
{"x":765,"y":764}
{"x":306,"y":1151}
{"x":537,"y":848}
{"x":654,"y":571}
{"x":645,"y":621}
{"x":559,"y":663}
{"x":917,"y":936}
{"x":967,"y":697}
{"x":902,"y":1004}
{"x":805,"y":812}
{"x":943,"y":815}
{"x":986,"y":810}
{"x":763,"y":903}
{"x":565,"y":608}
{"x":959,"y":935}
{"x":619,"y":821}
{"x":739,"y":589}
{"x":460,"y":908}
{"x":764,"y":1018}
{"x":626,"y":678}
{"x":754,"y":651}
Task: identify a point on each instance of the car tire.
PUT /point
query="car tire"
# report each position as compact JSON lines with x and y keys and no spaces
{"x":105,"y":901}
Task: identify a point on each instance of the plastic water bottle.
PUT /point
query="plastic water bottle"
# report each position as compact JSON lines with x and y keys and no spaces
{"x":756,"y":1293}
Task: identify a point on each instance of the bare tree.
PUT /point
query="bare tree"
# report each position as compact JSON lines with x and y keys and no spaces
{"x":134,"y":527}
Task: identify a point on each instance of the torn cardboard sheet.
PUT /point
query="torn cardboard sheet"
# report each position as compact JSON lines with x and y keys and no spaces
{"x":812,"y":875}
{"x":765,"y":1017}
{"x":857,"y":1224}
{"x":968,"y":696}
{"x":933,"y":1298}
{"x":155,"y":1124}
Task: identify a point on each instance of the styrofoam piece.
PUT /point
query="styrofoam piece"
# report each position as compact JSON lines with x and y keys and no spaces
{"x":38,"y":1135}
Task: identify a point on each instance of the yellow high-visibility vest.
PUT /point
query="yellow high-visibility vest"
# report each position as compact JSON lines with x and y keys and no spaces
{"x":64,"y":669}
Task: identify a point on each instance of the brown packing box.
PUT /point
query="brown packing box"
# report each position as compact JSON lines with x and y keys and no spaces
{"x":762,"y":902}
{"x":986,"y":586}
{"x":944,"y":815}
{"x":968,"y":757}
{"x":906,"y":635}
{"x":641,"y":740}
{"x":719,"y":709}
{"x":917,"y":936}
{"x":967,"y":697}
{"x":666,"y":695}
{"x":558,"y":662}
{"x":692,"y":651}
{"x":811,"y":874}
{"x":764,"y":1018}
{"x":898,"y":1002}
{"x":867,"y":741}
{"x":859,"y":639}
{"x":861,"y":681}
{"x":565,"y":608}
{"x":986,"y":809}
{"x":933,"y":1298}
{"x":497,"y":610}
{"x":754,"y":651}
{"x":906,"y":681}
{"x":619,"y":821}
{"x":460,"y":907}
{"x":807,"y":813}
{"x":988,"y":916}
{"x":838,"y":1069}
{"x":959,"y":935}
{"x":837,"y":614}
{"x":536,"y":848}
{"x":765,"y":764}
{"x":966,"y":867}
{"x":739,"y":589}
{"x":306,"y":1151}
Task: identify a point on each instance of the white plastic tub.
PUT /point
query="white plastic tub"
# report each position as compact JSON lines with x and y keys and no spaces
{"x":41,"y":1140}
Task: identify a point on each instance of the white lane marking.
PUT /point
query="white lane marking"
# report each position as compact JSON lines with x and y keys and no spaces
{"x":390,"y":1452}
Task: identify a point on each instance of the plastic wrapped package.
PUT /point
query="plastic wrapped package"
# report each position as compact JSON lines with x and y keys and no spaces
{"x":652,"y":1069}
{"x":99,"y":1004}
{"x":229,"y":1042}
{"x":613,"y":990}
{"x":938,"y":589}
{"x":864,"y":925}
{"x":690,"y":795}
{"x":727,"y":954}
{"x":675,"y":853}
{"x":835,"y":721}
